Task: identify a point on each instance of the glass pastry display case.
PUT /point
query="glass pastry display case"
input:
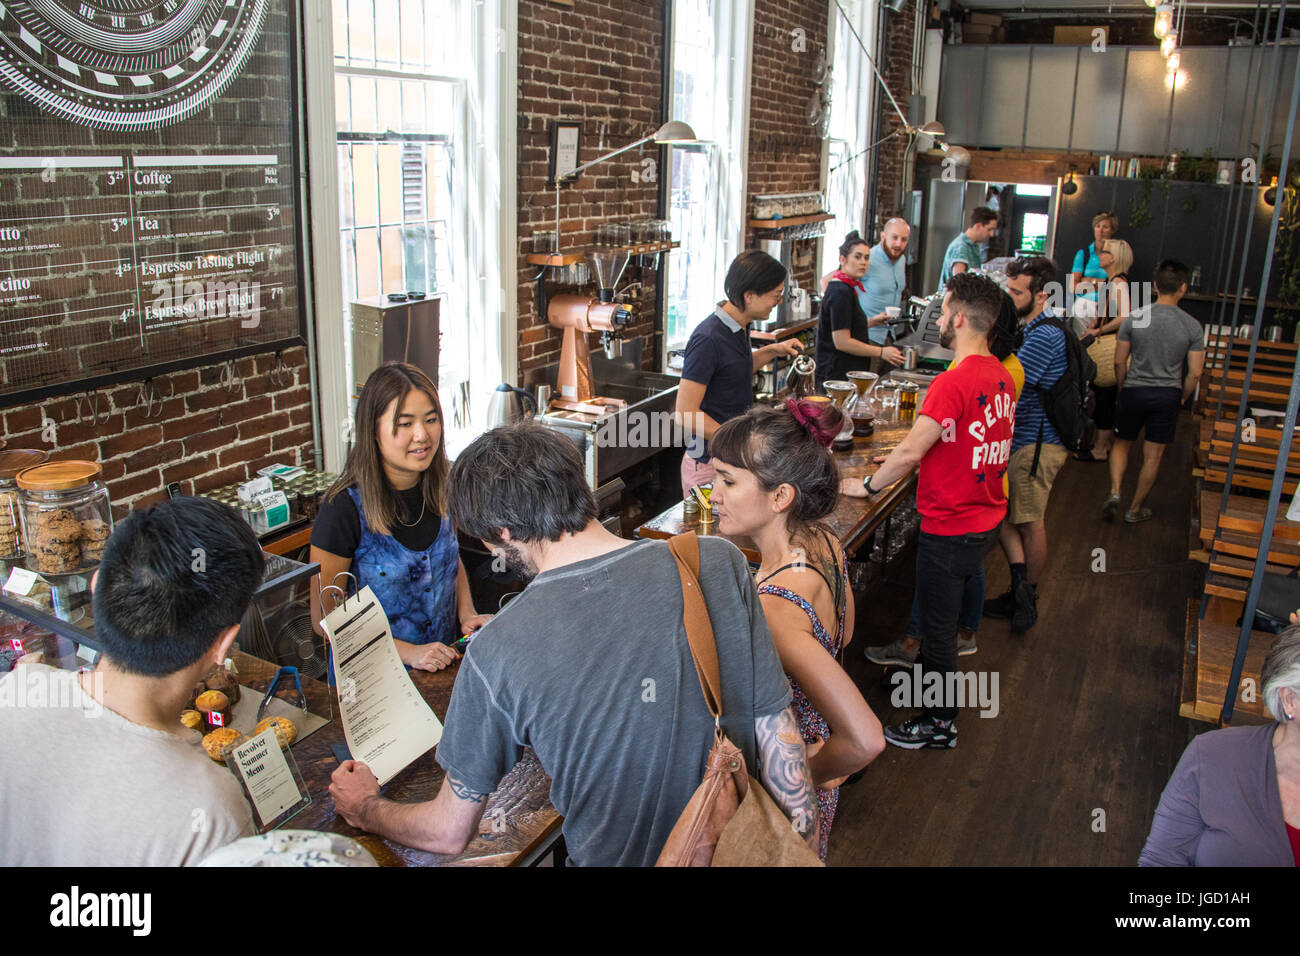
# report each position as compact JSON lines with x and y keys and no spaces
{"x":277,"y":668}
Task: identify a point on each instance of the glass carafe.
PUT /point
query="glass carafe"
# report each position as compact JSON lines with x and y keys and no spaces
{"x":843,"y":394}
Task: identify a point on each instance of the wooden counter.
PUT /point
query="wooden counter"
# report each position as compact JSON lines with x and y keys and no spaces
{"x":525,"y":826}
{"x":853,"y":521}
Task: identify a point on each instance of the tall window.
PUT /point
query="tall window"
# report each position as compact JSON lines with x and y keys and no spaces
{"x":847,"y":154}
{"x":400,"y":76}
{"x":710,"y":86}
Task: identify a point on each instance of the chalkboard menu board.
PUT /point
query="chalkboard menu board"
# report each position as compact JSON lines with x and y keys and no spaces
{"x":148,"y":184}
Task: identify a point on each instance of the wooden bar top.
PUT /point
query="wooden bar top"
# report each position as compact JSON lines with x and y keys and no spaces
{"x":517,"y":819}
{"x":853,"y":521}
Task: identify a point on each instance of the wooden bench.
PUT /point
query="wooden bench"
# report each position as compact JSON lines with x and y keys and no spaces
{"x":1209,"y":648}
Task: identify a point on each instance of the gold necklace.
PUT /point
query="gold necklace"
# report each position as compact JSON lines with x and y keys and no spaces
{"x":417,"y":520}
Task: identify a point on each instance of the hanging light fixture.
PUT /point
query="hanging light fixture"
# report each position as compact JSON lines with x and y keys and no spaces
{"x":1164,"y":19}
{"x":1173,"y":62}
{"x":1153,"y":3}
{"x":1169,"y":43}
{"x":1176,"y":79}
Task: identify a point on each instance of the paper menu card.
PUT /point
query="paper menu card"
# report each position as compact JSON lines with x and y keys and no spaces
{"x":386,"y":721}
{"x":270,"y":784}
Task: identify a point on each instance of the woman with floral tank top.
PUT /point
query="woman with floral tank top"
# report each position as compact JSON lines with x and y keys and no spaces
{"x":776,"y":481}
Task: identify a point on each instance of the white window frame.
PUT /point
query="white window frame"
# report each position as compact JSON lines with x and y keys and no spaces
{"x":853,"y":96}
{"x":486,"y":212}
{"x":733,"y":31}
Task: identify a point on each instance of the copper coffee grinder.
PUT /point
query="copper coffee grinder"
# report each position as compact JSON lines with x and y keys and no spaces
{"x":578,"y":316}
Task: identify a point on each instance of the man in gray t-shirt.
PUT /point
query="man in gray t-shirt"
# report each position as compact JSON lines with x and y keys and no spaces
{"x":1167,"y":350}
{"x":590,"y":667}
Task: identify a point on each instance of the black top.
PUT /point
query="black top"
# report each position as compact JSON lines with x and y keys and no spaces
{"x":840,"y":310}
{"x":337,"y":528}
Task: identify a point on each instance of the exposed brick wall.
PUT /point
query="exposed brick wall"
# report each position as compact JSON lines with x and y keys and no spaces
{"x":897,"y":69}
{"x":199,"y":432}
{"x":784,"y":150}
{"x":599,"y":63}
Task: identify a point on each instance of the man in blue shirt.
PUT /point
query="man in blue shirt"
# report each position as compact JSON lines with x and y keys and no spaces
{"x":963,"y":253}
{"x":886,"y":278}
{"x":1037,"y":451}
{"x":718,"y":369}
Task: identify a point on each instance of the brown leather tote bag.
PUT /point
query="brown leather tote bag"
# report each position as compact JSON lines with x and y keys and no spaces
{"x":730,"y":820}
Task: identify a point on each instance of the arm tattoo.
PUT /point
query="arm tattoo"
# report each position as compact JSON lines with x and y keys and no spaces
{"x":464,"y":792}
{"x":785,"y":773}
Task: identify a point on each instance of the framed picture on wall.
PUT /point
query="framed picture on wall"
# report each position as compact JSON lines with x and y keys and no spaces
{"x":566,"y":146}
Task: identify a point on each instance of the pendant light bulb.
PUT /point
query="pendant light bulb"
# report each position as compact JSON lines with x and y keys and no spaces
{"x":1169,"y":43}
{"x":1164,"y":19}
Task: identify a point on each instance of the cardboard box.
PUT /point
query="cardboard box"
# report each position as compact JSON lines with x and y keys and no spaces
{"x":1078,"y":36}
{"x":986,"y":19}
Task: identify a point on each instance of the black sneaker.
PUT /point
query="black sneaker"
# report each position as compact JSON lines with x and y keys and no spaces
{"x":1002,"y":607}
{"x":1026,"y":613}
{"x":922,"y":731}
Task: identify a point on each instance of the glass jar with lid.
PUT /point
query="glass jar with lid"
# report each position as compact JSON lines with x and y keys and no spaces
{"x":13,"y":461}
{"x":66,"y":516}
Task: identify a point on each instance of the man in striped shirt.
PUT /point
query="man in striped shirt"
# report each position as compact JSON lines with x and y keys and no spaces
{"x":1037,"y":451}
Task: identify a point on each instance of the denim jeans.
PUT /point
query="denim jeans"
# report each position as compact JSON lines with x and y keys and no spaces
{"x":972,"y":606}
{"x":945,"y":565}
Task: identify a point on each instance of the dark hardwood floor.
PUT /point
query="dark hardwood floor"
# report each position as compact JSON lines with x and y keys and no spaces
{"x":1088,"y":699}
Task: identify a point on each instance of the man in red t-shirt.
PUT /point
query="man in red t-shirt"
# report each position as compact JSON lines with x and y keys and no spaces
{"x":961,"y":442}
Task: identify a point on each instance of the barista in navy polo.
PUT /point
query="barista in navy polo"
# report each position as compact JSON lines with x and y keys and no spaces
{"x":718,"y":372}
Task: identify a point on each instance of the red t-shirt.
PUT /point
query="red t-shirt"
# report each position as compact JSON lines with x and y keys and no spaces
{"x":959,"y":488}
{"x":1294,"y":834}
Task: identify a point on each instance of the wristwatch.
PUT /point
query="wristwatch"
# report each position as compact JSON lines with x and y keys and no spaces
{"x":866,"y":483}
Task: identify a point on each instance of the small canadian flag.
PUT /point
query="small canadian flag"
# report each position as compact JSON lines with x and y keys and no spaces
{"x":218,"y":720}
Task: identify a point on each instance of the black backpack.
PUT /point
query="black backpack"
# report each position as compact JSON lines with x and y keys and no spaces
{"x":1069,"y":403}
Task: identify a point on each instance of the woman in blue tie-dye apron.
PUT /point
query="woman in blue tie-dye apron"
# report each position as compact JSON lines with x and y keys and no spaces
{"x":384,"y":520}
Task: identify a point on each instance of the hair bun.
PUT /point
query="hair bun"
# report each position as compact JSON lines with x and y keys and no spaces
{"x":821,"y":420}
{"x":853,"y":235}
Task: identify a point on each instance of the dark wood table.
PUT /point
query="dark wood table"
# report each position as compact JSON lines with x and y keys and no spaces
{"x":853,"y":521}
{"x":519,"y":824}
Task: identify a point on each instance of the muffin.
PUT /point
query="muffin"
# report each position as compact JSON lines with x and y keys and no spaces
{"x":285,"y":731}
{"x":217,"y":741}
{"x":215,"y":708}
{"x":192,"y":719}
{"x":225,"y":682}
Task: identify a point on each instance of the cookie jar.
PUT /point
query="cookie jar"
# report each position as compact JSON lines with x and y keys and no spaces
{"x":66,"y":516}
{"x":11,"y":462}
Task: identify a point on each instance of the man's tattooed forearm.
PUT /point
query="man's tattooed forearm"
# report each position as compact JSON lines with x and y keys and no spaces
{"x":464,"y":792}
{"x":785,"y":770}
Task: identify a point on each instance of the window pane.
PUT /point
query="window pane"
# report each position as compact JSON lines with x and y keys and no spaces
{"x":345,"y":187}
{"x":386,"y":34}
{"x":361,"y":32}
{"x":365,"y":190}
{"x":367,"y":264}
{"x":340,"y":30}
{"x":390,"y":184}
{"x":390,"y":105}
{"x":390,"y":251}
{"x":362,"y":91}
{"x":413,"y":35}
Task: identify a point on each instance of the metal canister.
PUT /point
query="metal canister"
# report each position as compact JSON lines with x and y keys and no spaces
{"x":909,"y":357}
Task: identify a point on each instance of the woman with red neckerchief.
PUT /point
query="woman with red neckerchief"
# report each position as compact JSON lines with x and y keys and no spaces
{"x":843,"y":344}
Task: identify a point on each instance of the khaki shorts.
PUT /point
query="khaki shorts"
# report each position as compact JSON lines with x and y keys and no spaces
{"x":1028,"y":499}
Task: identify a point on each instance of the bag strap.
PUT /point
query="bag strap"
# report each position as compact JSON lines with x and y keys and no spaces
{"x":699,"y":630}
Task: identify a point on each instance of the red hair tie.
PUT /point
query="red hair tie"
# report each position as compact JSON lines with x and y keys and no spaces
{"x":793,"y":405}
